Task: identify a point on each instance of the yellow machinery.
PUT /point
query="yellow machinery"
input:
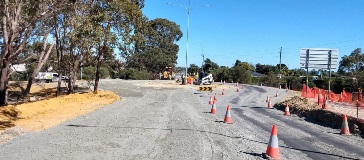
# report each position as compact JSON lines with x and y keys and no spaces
{"x":168,"y":74}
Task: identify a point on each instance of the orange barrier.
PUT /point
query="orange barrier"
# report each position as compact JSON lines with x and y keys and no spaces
{"x":320,"y":94}
{"x":190,"y":80}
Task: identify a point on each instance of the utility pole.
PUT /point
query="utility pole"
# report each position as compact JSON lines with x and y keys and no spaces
{"x":280,"y":63}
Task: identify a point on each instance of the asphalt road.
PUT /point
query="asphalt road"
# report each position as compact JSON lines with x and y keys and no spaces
{"x":173,"y":122}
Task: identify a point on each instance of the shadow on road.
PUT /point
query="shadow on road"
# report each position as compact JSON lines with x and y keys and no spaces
{"x":214,"y":133}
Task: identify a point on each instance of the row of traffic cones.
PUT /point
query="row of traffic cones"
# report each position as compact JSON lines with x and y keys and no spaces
{"x":227,"y":118}
{"x":272,"y":150}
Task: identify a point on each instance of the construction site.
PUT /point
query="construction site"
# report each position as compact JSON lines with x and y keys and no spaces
{"x":165,"y":120}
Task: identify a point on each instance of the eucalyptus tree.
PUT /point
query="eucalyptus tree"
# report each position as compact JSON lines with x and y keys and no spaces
{"x":19,"y":18}
{"x":209,"y":65}
{"x":156,"y":49}
{"x":113,"y":23}
{"x":352,"y":64}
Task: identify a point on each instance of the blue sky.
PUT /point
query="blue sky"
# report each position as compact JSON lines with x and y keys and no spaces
{"x":254,"y":30}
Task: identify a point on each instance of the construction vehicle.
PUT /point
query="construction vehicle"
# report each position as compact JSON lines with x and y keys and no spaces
{"x":204,"y":78}
{"x":167,"y":74}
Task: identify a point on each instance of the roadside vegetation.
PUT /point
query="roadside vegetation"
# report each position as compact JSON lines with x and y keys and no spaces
{"x":91,"y":38}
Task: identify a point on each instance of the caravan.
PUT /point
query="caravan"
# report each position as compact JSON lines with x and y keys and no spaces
{"x":47,"y":77}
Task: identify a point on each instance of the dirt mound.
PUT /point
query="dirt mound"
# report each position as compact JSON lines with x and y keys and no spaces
{"x":304,"y":108}
{"x":7,"y":116}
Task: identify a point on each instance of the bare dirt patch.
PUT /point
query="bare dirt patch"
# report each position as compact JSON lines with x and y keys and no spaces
{"x":41,"y":109}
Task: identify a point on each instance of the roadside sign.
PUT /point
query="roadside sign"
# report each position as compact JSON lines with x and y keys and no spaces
{"x":319,"y":58}
{"x":205,"y":88}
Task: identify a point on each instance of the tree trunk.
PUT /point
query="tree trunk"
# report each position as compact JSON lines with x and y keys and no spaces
{"x":4,"y":84}
{"x":70,"y":82}
{"x":59,"y":83}
{"x":73,"y":76}
{"x":97,"y":76}
{"x":76,"y":65}
{"x":59,"y":51}
{"x":42,"y":59}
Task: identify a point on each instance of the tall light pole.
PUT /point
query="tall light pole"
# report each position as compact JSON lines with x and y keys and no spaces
{"x":188,"y":27}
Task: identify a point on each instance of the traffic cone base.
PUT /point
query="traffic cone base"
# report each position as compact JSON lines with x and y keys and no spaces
{"x":269,"y":105}
{"x":222,"y":92}
{"x":272,"y":149}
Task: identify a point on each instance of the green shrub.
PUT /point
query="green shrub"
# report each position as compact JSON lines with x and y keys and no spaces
{"x":89,"y":73}
{"x":270,"y":80}
{"x":293,"y":82}
{"x":16,"y":76}
{"x":135,"y":74}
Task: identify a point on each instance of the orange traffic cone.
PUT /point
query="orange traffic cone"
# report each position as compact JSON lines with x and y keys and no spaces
{"x":224,"y":82}
{"x":210,"y":102}
{"x":272,"y":149}
{"x":227,"y":118}
{"x":237,"y":89}
{"x":286,"y":110}
{"x":236,"y":84}
{"x":213,"y":108}
{"x":221,"y":82}
{"x":345,"y":127}
{"x":269,"y":105}
{"x":215,"y":99}
{"x":276,"y":94}
{"x":222,"y":92}
{"x":267,"y":99}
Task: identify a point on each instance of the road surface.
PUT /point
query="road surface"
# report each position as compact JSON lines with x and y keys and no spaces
{"x":173,"y":122}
